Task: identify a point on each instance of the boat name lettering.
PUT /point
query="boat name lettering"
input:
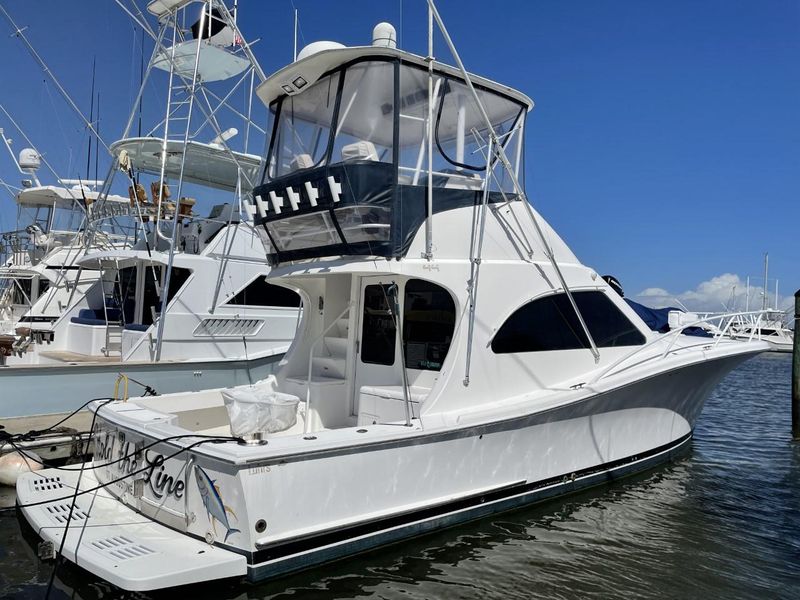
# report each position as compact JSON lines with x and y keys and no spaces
{"x":127,"y":462}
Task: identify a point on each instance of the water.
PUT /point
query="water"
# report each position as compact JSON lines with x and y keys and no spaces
{"x":723,"y":522}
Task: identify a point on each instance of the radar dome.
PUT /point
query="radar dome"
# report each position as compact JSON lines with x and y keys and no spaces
{"x":29,"y":159}
{"x":315,"y":47}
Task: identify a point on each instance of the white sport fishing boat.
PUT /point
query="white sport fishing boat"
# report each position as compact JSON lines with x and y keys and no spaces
{"x":223,"y":324}
{"x":455,"y":358}
{"x":56,"y":226}
{"x":37,"y":275}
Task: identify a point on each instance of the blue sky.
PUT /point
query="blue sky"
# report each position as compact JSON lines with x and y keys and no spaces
{"x":664,"y":146}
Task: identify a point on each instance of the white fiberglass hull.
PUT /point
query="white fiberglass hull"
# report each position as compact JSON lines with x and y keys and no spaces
{"x":324,"y":504}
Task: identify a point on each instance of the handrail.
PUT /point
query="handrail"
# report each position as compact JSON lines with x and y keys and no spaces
{"x":674,"y":334}
{"x":311,"y":363}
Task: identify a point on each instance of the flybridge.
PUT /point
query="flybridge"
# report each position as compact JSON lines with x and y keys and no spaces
{"x":353,"y":156}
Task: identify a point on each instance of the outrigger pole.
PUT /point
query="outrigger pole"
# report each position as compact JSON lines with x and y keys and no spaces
{"x":501,"y":155}
{"x":19,"y":33}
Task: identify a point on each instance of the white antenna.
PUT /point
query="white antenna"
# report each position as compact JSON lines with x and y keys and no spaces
{"x":682,"y":305}
{"x":766,"y":274}
{"x":295,"y":36}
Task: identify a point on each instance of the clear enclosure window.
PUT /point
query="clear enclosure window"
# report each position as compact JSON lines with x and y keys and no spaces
{"x":365,"y":127}
{"x":22,"y":291}
{"x":550,"y":323}
{"x":364,"y":223}
{"x":377,"y":330}
{"x":460,"y":135}
{"x":303,"y":129}
{"x":305,"y":231}
{"x":152,"y":304}
{"x":429,"y":318}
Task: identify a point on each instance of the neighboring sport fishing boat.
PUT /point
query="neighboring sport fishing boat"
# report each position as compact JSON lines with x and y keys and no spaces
{"x":183,"y":306}
{"x":454,"y":359}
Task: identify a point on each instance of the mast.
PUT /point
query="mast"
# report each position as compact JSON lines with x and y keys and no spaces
{"x":173,"y":242}
{"x":747,"y":296}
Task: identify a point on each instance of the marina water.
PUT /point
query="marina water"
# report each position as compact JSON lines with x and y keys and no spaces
{"x":721,"y":522}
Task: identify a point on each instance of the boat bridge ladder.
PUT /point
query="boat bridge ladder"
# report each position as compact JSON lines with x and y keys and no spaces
{"x":113,"y":342}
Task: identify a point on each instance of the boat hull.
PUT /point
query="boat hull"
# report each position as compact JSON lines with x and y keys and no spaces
{"x":326,"y":504}
{"x":416,"y":487}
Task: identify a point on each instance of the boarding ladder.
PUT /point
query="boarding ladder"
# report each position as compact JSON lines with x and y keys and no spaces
{"x":113,"y":343}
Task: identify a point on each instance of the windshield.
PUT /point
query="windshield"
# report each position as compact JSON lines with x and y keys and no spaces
{"x":301,"y":135}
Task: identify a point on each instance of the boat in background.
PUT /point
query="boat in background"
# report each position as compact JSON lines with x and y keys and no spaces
{"x":56,"y":226}
{"x":767,"y":324}
{"x":771,"y":325}
{"x":185,"y":305}
{"x":455,"y":358}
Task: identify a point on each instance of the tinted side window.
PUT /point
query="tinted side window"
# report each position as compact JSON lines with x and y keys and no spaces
{"x":378,"y":330}
{"x":429,"y":317}
{"x":551,"y":324}
{"x":44,"y":285}
{"x":260,"y":293}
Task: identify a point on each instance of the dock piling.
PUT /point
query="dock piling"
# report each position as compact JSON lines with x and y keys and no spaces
{"x":796,"y":370}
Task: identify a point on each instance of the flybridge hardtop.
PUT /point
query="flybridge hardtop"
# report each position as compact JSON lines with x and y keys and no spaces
{"x":323,"y":57}
{"x":347,"y":168}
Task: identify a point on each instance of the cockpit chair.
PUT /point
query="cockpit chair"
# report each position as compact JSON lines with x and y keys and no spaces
{"x":362,"y":150}
{"x":301,"y":161}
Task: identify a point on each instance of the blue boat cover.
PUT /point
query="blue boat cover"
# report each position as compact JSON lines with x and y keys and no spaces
{"x":657,"y":319}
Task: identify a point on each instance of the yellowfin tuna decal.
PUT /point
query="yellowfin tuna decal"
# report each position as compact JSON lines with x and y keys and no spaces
{"x":212,"y":500}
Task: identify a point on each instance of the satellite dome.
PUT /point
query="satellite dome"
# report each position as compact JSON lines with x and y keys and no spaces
{"x":384,"y":35}
{"x":29,"y":159}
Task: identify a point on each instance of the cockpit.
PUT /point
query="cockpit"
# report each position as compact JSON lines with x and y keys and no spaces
{"x":349,"y":159}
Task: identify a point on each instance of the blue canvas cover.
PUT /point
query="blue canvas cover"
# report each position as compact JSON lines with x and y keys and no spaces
{"x":657,"y":319}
